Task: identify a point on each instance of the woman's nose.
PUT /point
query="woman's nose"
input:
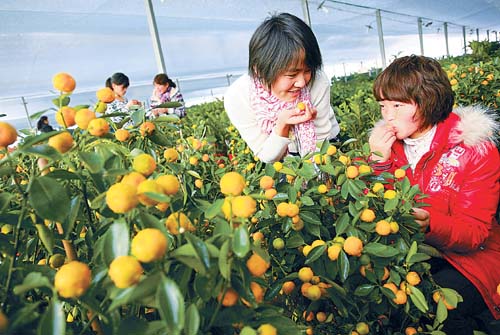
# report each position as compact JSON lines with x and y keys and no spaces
{"x":390,"y":114}
{"x":300,"y":81}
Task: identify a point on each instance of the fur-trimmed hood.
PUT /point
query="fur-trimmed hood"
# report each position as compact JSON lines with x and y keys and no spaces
{"x":477,"y":125}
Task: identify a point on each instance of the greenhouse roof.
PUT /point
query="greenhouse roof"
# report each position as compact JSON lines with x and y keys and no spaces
{"x":91,"y":39}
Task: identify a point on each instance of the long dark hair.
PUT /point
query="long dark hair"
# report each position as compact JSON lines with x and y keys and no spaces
{"x":119,"y":79}
{"x":163,"y":79}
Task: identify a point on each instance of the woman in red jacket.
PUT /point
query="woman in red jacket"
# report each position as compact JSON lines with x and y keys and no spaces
{"x":451,"y":155}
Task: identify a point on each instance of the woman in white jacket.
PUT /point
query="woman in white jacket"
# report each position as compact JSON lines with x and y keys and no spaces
{"x":284,"y":69}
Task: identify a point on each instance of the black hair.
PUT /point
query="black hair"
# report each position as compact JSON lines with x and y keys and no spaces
{"x":280,"y":42}
{"x":119,"y":79}
{"x":163,"y":79}
{"x":41,"y":122}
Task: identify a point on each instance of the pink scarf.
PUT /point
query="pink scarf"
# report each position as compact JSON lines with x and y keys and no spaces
{"x":267,"y":107}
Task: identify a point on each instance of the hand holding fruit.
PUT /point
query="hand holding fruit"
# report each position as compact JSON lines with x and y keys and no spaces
{"x":134,"y":102}
{"x":289,"y":117}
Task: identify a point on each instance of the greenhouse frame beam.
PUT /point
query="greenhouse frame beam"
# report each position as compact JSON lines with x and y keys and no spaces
{"x":446,"y":39}
{"x":420,"y":36}
{"x":307,"y":15}
{"x":381,"y":38}
{"x":465,"y":39}
{"x":153,"y":30}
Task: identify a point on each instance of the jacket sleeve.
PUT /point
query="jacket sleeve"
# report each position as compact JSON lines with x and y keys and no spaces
{"x":269,"y":148}
{"x":325,"y":123}
{"x":472,"y":211}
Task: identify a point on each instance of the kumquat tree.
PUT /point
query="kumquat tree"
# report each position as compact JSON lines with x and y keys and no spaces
{"x":172,"y":226}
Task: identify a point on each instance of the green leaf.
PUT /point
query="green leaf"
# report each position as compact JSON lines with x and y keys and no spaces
{"x":31,"y":281}
{"x":187,"y":255}
{"x":342,"y":224}
{"x":418,"y":257}
{"x":390,"y":204}
{"x":133,"y":326}
{"x":200,"y":248}
{"x":294,"y":240}
{"x":241,"y":241}
{"x":204,"y":286}
{"x":116,"y":241}
{"x":380,"y":250}
{"x":248,"y":331}
{"x":61,"y":101}
{"x":442,"y":311}
{"x":92,"y":161}
{"x":192,"y":320}
{"x":307,"y":171}
{"x":160,"y":138}
{"x":46,"y":236}
{"x":222,"y":228}
{"x":214,"y":209}
{"x":35,"y":141}
{"x":25,"y":315}
{"x":225,"y":261}
{"x":145,"y":288}
{"x":169,"y":104}
{"x":49,"y":199}
{"x":306,"y":201}
{"x":69,"y":223}
{"x":344,"y":266}
{"x":364,"y":289}
{"x":418,"y":299}
{"x":315,"y":253}
{"x":310,"y":217}
{"x":53,"y":322}
{"x":413,"y":250}
{"x":63,"y":174}
{"x":194,"y":174}
{"x":170,"y":303}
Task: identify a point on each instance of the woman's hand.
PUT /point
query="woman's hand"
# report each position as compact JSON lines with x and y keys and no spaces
{"x":381,"y":140}
{"x":159,"y":111}
{"x":133,"y":102}
{"x":290,"y":117}
{"x":422,"y":217}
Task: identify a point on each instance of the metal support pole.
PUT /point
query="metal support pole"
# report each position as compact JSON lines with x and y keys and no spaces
{"x":488,"y":35}
{"x":305,"y":9}
{"x":465,"y":39}
{"x":477,"y":34}
{"x":446,"y":39}
{"x":153,"y":30}
{"x":420,"y":36}
{"x":25,"y":104}
{"x":381,"y":38}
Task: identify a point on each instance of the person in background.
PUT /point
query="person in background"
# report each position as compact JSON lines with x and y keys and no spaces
{"x":284,"y":68}
{"x":165,"y":90}
{"x":43,"y":125}
{"x":119,"y":83}
{"x":452,"y":156}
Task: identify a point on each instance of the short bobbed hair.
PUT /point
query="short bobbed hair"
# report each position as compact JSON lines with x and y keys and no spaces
{"x":420,"y":80}
{"x":119,"y":79}
{"x":280,"y":42}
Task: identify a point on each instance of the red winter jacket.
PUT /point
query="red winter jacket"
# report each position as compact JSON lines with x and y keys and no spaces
{"x":461,"y":176}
